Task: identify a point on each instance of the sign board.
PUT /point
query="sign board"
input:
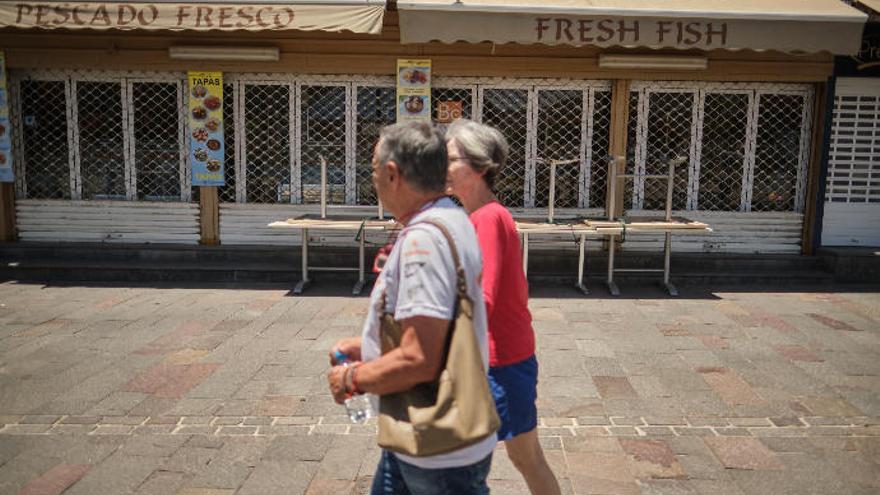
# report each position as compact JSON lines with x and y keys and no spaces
{"x":6,"y":174}
{"x":413,"y":90}
{"x":448,"y":111}
{"x":205,"y":127}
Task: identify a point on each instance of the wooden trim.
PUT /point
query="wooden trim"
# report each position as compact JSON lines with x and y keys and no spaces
{"x":209,"y":215}
{"x":617,"y":141}
{"x":817,"y":137}
{"x":443,"y":65}
{"x":7,"y":212}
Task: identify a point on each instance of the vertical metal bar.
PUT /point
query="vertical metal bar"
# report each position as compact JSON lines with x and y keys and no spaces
{"x":305,"y":254}
{"x":667,"y":256}
{"x":612,"y":187}
{"x":581,"y":255}
{"x":294,"y":133}
{"x":361,"y":276}
{"x":644,"y":108}
{"x":350,"y":140}
{"x":14,"y":84}
{"x":751,"y":149}
{"x":129,"y":144}
{"x":612,"y":241}
{"x":585,"y":170}
{"x":323,"y":186}
{"x":183,"y":138}
{"x":531,"y":147}
{"x":477,"y":105}
{"x":804,"y":151}
{"x":551,"y":203}
{"x":697,"y":116}
{"x":240,"y":143}
{"x":670,"y":183}
{"x":73,"y":136}
{"x":525,"y":260}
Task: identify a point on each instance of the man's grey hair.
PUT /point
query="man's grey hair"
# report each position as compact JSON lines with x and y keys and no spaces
{"x":484,"y":147}
{"x":419,"y":151}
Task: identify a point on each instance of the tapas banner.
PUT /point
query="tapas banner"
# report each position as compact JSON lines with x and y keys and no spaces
{"x":413,"y":90}
{"x":6,"y":174}
{"x":205,"y":119}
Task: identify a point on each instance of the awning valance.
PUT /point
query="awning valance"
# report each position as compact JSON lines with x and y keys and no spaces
{"x":783,"y":25}
{"x":364,"y":16}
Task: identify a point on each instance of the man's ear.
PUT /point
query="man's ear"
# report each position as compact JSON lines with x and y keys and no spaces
{"x":393,"y":171}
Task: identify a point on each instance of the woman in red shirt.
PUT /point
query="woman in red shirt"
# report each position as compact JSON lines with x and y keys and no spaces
{"x":476,"y":155}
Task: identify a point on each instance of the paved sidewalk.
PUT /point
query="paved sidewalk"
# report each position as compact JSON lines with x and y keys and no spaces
{"x":203,"y":391}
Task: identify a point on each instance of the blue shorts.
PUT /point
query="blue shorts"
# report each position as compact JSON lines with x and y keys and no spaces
{"x":515,"y":388}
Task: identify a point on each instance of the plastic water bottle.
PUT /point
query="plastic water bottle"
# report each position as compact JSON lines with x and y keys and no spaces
{"x":357,"y":406}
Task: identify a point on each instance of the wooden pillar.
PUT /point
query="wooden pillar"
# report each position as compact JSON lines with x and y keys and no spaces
{"x":209,"y":215}
{"x":617,"y":141}
{"x":7,"y":212}
{"x":814,"y":171}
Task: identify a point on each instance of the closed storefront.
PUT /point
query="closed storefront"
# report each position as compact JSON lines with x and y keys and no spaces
{"x":101,"y":138}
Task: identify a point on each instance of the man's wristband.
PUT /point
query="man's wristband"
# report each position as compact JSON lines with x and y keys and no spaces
{"x":355,"y":388}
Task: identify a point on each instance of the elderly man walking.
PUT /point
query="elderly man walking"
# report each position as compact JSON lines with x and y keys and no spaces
{"x":419,"y":284}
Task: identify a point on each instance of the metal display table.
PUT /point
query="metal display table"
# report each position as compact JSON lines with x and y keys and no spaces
{"x":614,"y":227}
{"x":359,"y":226}
{"x":578,"y":229}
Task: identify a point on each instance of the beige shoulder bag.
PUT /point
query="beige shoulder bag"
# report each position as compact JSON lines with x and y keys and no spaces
{"x":453,"y":412}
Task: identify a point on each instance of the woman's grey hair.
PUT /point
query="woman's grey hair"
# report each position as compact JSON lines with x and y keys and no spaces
{"x":419,"y":151}
{"x":484,"y":147}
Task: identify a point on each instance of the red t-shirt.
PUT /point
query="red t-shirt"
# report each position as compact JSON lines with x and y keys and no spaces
{"x":505,"y":290}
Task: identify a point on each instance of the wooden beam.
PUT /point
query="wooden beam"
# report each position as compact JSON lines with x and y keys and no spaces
{"x":814,"y":170}
{"x":617,"y":142}
{"x":7,"y":212}
{"x":209,"y":215}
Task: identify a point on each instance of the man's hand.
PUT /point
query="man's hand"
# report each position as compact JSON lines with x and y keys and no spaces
{"x":350,"y":346}
{"x":336,"y":380}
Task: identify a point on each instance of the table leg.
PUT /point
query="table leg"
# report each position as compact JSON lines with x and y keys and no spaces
{"x":667,"y":255}
{"x":609,"y":281}
{"x":581,"y":263}
{"x":304,"y":282}
{"x":359,"y":285}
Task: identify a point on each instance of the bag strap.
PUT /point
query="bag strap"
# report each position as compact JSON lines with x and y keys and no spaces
{"x":461,"y":282}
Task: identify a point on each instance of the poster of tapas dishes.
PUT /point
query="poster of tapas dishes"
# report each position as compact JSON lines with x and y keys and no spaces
{"x":6,"y":174}
{"x":205,"y":119}
{"x":413,"y":90}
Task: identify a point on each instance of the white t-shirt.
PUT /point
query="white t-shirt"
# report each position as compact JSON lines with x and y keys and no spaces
{"x":420,"y":278}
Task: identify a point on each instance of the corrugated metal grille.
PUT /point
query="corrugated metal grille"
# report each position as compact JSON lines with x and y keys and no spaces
{"x":854,"y":156}
{"x":267,"y":145}
{"x":323,"y":136}
{"x":45,"y":140}
{"x":746,"y":145}
{"x":507,"y":110}
{"x":100,"y":126}
{"x":777,"y":152}
{"x":375,"y":109}
{"x":156,"y":141}
{"x":725,"y":124}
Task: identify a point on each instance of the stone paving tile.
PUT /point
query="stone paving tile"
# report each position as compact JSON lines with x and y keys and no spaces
{"x":743,"y":453}
{"x":56,"y":480}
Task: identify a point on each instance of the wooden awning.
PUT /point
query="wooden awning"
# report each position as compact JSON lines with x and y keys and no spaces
{"x":359,"y":16}
{"x":785,"y":25}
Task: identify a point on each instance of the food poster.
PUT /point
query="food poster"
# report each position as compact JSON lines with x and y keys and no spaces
{"x":6,"y":174}
{"x":205,"y":117}
{"x":413,"y":90}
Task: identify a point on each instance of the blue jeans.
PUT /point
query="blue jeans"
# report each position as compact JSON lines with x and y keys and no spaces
{"x":395,"y":477}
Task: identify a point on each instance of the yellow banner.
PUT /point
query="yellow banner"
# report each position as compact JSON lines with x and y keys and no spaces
{"x":413,"y":90}
{"x":205,"y":119}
